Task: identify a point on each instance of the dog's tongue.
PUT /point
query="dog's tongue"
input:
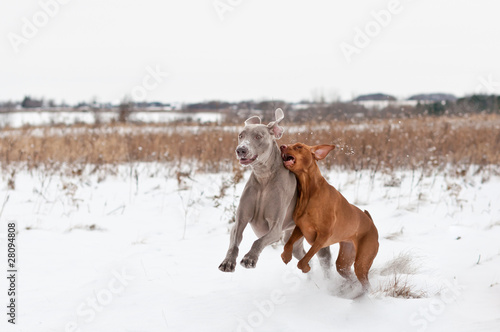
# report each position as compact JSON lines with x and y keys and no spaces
{"x":247,"y":161}
{"x":288,"y":160}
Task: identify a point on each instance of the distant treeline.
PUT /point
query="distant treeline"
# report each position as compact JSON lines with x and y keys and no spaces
{"x":304,"y":111}
{"x":476,"y":104}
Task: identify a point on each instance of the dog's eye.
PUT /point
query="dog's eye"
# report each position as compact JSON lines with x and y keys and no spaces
{"x":258,"y":137}
{"x":240,"y":136}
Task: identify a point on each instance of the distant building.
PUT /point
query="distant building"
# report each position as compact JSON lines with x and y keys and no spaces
{"x":153,"y":106}
{"x":209,"y":106}
{"x":28,"y":102}
{"x":301,"y":106}
{"x":427,"y":98}
{"x":375,"y":100}
{"x":380,"y":100}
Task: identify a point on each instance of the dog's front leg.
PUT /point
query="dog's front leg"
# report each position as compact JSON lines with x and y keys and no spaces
{"x":244,"y":214}
{"x":250,"y":259}
{"x":319,"y":243}
{"x":288,"y":248}
{"x":229,"y":263}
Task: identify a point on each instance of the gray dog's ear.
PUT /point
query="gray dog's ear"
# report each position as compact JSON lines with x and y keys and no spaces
{"x":253,"y":120}
{"x":278,"y":114}
{"x":276,"y":130}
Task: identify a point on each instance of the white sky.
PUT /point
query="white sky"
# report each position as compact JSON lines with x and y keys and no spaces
{"x":279,"y":49}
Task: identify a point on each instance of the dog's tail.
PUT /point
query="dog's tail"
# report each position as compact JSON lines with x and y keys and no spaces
{"x":368,"y":214}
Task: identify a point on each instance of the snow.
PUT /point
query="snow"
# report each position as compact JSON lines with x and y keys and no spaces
{"x":44,"y":118}
{"x":139,"y":251}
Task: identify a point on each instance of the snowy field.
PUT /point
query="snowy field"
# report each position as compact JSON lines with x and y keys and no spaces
{"x":139,"y":251}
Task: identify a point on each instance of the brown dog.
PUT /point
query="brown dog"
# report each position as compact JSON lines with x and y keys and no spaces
{"x":324,"y":217}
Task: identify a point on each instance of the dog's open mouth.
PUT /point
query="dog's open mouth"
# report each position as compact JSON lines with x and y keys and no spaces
{"x":288,"y":160}
{"x":247,"y":161}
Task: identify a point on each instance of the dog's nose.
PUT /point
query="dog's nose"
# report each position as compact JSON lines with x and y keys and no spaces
{"x":283,"y":147}
{"x":241,"y":151}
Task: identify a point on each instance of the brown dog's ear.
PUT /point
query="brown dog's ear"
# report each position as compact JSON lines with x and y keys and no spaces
{"x":321,"y":151}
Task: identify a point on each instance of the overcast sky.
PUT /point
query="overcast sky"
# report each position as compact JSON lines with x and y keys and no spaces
{"x":76,"y":50}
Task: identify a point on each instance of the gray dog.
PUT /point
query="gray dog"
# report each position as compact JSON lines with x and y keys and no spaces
{"x":269,"y":197}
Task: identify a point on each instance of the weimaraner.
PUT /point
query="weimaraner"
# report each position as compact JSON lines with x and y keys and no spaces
{"x":269,"y":197}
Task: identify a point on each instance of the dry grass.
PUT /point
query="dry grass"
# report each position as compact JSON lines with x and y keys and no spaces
{"x":402,"y":264}
{"x":428,"y":144}
{"x":421,"y":143}
{"x":400,"y":287}
{"x":205,"y":150}
{"x":398,"y":271}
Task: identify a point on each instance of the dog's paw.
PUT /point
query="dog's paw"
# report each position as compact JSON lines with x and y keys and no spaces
{"x":249,"y":262}
{"x":227,"y":265}
{"x":286,"y":257}
{"x":304,"y":266}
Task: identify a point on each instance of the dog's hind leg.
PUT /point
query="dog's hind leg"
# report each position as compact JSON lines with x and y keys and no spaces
{"x":298,"y":249}
{"x":298,"y":246}
{"x":345,"y":259}
{"x":325,"y":260}
{"x":249,"y":261}
{"x":366,"y":252}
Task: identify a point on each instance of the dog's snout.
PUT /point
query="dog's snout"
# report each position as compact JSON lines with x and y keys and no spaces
{"x":283,"y":147}
{"x":241,"y":151}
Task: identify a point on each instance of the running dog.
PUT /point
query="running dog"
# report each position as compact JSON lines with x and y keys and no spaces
{"x":324,"y":217}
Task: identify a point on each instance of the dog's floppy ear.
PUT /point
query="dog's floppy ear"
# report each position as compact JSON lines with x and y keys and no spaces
{"x":321,"y":151}
{"x":278,"y":114}
{"x":276,"y":130}
{"x":253,"y":120}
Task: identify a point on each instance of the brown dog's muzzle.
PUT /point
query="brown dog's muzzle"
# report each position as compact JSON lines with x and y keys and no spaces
{"x":288,"y":159}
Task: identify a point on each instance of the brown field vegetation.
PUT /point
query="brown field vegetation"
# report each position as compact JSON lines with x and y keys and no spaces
{"x":380,"y":145}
